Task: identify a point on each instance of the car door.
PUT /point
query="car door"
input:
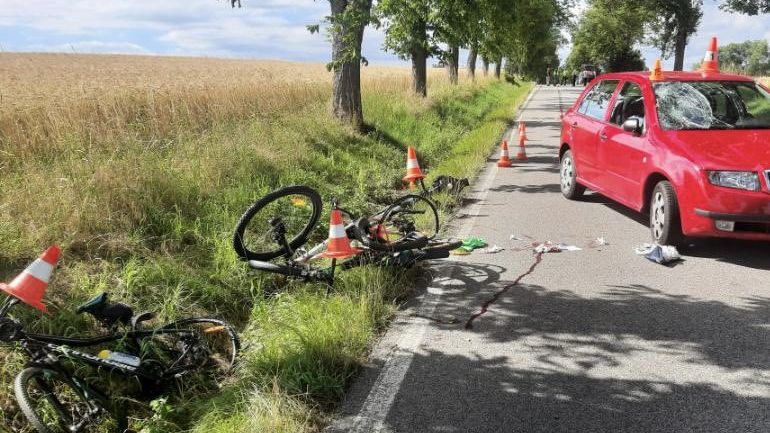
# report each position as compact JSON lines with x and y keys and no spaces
{"x":624,"y":154}
{"x":586,"y":126}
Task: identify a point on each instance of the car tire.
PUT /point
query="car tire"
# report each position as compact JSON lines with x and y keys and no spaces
{"x":665,"y":221}
{"x":570,"y":187}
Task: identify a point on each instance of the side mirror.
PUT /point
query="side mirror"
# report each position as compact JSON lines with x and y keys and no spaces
{"x":633,"y":125}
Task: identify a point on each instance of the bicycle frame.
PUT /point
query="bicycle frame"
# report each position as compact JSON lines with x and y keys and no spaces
{"x":44,"y":349}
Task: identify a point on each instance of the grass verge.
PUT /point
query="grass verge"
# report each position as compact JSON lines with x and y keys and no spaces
{"x":150,"y":221}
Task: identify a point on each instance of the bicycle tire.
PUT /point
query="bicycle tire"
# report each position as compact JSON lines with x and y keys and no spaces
{"x":362,"y":227}
{"x":239,"y":244}
{"x":26,"y":405}
{"x":234,"y":340}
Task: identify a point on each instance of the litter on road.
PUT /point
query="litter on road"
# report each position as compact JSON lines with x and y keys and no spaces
{"x":470,"y":244}
{"x":598,"y":242}
{"x":550,"y":247}
{"x":494,"y":249}
{"x":661,"y":254}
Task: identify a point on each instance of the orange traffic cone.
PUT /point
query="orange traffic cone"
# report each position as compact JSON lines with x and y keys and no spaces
{"x":711,"y":59}
{"x":657,"y":71}
{"x":522,"y":155}
{"x":29,"y":286}
{"x":504,"y":160}
{"x":339,"y":244}
{"x":413,"y":172}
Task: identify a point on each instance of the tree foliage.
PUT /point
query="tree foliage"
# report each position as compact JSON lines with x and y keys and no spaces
{"x":749,"y":57}
{"x":749,"y":7}
{"x":607,"y":36}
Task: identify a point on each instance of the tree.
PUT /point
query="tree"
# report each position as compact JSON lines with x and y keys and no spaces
{"x":749,"y":57}
{"x":672,"y":24}
{"x":453,"y":23}
{"x":607,"y":35}
{"x":406,"y":35}
{"x":346,"y":27}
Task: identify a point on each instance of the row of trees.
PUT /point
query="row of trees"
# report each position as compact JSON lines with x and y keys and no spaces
{"x":524,"y":33}
{"x":611,"y":30}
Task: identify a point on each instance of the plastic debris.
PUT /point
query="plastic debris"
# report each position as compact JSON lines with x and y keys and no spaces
{"x":494,"y":249}
{"x":598,"y":242}
{"x":550,"y":247}
{"x":470,"y":244}
{"x":520,"y":237}
{"x":460,"y":252}
{"x":661,"y":254}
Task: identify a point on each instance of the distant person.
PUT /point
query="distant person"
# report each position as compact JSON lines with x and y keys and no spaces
{"x":574,"y":77}
{"x":548,"y":76}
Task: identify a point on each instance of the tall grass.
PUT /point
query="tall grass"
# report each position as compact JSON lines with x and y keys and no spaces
{"x":142,"y":191}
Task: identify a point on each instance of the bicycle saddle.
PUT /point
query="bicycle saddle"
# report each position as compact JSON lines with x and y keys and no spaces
{"x":106,"y":313}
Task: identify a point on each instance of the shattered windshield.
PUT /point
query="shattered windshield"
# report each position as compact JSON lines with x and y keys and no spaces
{"x":712,"y":105}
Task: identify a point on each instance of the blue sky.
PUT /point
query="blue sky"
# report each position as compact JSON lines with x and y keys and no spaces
{"x":268,"y":29}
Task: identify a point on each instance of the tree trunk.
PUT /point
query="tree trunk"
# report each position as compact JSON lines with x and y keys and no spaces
{"x":498,"y":68}
{"x":453,"y":63}
{"x":472,"y":54}
{"x":419,"y":60}
{"x":679,"y":45}
{"x":485,"y":65}
{"x":346,"y":84}
{"x":420,"y":71}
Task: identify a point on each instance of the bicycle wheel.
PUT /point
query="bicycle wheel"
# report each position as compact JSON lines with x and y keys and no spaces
{"x":409,"y":223}
{"x":209,"y":345}
{"x":297,"y":208}
{"x":54,"y":403}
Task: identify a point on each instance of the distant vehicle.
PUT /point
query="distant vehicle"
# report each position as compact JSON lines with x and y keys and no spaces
{"x":587,"y":73}
{"x":691,"y":149}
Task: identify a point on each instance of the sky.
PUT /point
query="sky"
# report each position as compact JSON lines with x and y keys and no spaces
{"x":264,"y":29}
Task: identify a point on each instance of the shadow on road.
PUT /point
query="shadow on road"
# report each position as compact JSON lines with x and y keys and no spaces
{"x":553,"y":378}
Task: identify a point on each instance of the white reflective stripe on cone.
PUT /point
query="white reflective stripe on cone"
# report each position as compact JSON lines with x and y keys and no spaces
{"x":337,"y":231}
{"x":412,"y":163}
{"x":38,"y":269}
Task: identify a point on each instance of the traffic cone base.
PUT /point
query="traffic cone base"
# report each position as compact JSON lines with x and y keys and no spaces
{"x":413,"y":171}
{"x":29,"y":286}
{"x":339,"y":245}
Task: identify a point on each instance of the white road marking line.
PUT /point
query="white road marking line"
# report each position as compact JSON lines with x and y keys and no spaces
{"x":371,"y":416}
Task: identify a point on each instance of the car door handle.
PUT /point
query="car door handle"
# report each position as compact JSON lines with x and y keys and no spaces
{"x":602,"y":136}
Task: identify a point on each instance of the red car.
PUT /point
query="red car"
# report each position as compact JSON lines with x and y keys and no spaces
{"x":691,"y":149}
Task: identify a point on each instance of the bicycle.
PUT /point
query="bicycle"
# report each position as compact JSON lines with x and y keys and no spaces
{"x":55,"y":399}
{"x":280,"y":224}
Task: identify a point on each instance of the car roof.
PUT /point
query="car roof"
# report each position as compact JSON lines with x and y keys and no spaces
{"x":678,"y":76}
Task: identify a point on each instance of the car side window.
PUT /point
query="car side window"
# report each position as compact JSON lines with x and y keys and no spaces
{"x":628,"y":104}
{"x":597,"y":100}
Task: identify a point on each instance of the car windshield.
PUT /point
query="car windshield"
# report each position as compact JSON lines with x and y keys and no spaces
{"x":712,"y":105}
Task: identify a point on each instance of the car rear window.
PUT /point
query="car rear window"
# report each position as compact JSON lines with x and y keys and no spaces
{"x":598,"y":99}
{"x":712,"y":105}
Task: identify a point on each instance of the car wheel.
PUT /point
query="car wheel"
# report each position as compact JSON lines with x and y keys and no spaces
{"x":569,"y":184}
{"x":665,"y":223}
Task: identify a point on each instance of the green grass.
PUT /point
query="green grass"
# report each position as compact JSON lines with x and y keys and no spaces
{"x":150,"y":222}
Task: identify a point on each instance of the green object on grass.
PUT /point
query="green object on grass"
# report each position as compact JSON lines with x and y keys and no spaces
{"x":470,"y":244}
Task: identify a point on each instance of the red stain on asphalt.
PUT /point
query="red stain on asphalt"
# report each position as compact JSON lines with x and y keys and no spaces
{"x":493,"y":299}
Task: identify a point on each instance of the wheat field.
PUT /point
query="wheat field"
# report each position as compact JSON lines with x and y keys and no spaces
{"x":47,"y":98}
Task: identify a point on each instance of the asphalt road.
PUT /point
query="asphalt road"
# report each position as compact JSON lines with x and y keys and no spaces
{"x":597,"y":340}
